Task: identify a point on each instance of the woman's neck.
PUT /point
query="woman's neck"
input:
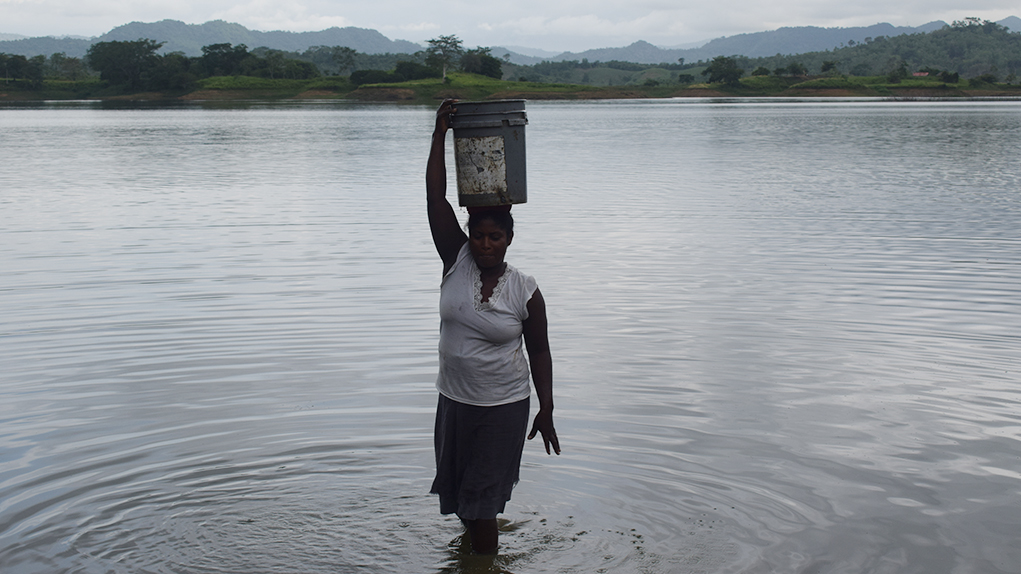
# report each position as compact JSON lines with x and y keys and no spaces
{"x":493,"y":272}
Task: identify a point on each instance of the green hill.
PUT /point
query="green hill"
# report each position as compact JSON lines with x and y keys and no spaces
{"x":969,"y":48}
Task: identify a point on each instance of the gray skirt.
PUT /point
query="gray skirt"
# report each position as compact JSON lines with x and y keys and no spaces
{"x":478,"y":453}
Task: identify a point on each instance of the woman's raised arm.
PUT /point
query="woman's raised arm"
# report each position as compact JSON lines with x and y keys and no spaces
{"x":446,"y":232}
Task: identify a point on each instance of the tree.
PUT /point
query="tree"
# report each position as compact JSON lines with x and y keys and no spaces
{"x":797,"y":69}
{"x":360,"y":77}
{"x":15,"y":66}
{"x":68,"y":68}
{"x":224,"y":59}
{"x":723,"y":70}
{"x":861,"y":69}
{"x":480,"y":61}
{"x":415,"y":71}
{"x":827,"y":66}
{"x":761,"y":71}
{"x":987,"y":78}
{"x":985,"y":25}
{"x":443,"y":52}
{"x":298,"y":70}
{"x":897,"y":70}
{"x":5,"y":63}
{"x":344,"y":57}
{"x":275,"y":61}
{"x":123,"y":62}
{"x":172,"y":72}
{"x":35,"y":71}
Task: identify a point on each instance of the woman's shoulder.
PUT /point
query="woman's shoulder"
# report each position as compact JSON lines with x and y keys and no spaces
{"x":522,"y":280}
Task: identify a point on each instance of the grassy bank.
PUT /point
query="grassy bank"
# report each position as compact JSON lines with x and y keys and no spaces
{"x":472,"y":87}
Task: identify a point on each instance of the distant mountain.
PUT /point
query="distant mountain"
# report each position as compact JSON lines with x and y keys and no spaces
{"x":523,"y":56}
{"x":1011,"y":22}
{"x":803,"y":39}
{"x":641,"y":52}
{"x":46,"y":46}
{"x":536,"y":52}
{"x":189,"y":38}
{"x":758,"y":44}
{"x":686,"y":45}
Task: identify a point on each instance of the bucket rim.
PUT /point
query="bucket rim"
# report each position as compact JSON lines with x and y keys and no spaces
{"x":501,"y":101}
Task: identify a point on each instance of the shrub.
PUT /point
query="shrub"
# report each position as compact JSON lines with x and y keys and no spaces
{"x":374,"y":77}
{"x":986,"y":78}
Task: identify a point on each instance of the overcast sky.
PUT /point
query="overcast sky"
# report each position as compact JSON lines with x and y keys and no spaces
{"x":555,"y":25}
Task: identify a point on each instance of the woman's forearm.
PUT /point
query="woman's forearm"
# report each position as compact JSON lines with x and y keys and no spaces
{"x":436,"y":169}
{"x":542,"y":378}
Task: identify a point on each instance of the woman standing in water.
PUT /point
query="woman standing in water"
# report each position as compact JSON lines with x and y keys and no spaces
{"x":486,"y":308}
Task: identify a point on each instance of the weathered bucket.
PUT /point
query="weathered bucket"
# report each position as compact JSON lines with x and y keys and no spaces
{"x":489,"y":152}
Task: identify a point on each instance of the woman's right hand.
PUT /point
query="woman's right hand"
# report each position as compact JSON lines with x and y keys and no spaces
{"x":443,"y":115}
{"x":446,"y":231}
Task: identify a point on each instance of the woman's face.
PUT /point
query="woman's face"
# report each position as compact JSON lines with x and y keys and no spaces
{"x":488,"y":244}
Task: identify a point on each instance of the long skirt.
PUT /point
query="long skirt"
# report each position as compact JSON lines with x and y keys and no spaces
{"x":478,"y":453}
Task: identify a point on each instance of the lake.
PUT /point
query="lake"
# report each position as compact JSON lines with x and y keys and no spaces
{"x":785,"y":334}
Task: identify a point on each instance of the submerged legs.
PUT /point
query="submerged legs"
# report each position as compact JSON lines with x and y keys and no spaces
{"x":484,"y":534}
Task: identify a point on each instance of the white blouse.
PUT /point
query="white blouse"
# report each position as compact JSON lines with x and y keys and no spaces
{"x":482,"y":360}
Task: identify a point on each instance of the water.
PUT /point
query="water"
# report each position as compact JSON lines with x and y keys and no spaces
{"x":785,"y":339}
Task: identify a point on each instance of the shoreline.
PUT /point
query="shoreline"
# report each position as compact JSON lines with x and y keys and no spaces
{"x":470,"y":87}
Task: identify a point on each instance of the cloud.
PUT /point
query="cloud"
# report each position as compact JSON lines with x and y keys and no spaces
{"x":276,"y":15}
{"x":668,"y":26}
{"x":414,"y":29}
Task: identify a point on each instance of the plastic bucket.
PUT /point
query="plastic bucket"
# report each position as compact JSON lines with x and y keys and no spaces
{"x":489,"y":152}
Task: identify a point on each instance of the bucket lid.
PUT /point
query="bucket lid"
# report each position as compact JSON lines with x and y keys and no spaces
{"x":487,"y":114}
{"x":489,"y":107}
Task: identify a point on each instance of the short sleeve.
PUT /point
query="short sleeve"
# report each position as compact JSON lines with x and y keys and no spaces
{"x":528,"y":287}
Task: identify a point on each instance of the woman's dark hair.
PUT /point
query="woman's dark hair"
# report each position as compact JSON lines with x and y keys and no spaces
{"x":503,"y":219}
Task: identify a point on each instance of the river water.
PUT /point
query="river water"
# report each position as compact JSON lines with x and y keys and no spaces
{"x":786,"y":339}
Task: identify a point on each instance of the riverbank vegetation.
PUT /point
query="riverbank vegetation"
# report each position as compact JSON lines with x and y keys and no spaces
{"x":966,"y":59}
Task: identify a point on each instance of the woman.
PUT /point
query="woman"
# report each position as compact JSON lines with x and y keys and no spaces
{"x":486,"y":308}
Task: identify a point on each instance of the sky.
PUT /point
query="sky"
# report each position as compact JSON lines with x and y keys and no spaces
{"x":553,"y":25}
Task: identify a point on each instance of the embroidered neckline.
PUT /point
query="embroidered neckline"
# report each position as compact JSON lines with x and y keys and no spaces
{"x":481,"y":305}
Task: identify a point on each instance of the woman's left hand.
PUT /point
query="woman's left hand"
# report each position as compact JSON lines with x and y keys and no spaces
{"x":543,"y":423}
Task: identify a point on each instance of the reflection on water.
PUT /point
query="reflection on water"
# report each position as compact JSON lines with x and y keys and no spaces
{"x":785,"y":337}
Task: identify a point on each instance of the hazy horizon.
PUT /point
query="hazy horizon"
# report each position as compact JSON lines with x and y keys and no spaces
{"x":551,"y":28}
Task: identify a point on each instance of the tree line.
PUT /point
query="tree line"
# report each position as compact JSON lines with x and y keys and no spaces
{"x":444,"y":53}
{"x":138,"y":66}
{"x":37,"y":68}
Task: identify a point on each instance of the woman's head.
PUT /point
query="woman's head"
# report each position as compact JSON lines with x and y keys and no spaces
{"x":489,"y":235}
{"x":502,"y":218}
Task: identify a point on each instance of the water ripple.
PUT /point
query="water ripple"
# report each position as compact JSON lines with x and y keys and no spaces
{"x":784,"y":333}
